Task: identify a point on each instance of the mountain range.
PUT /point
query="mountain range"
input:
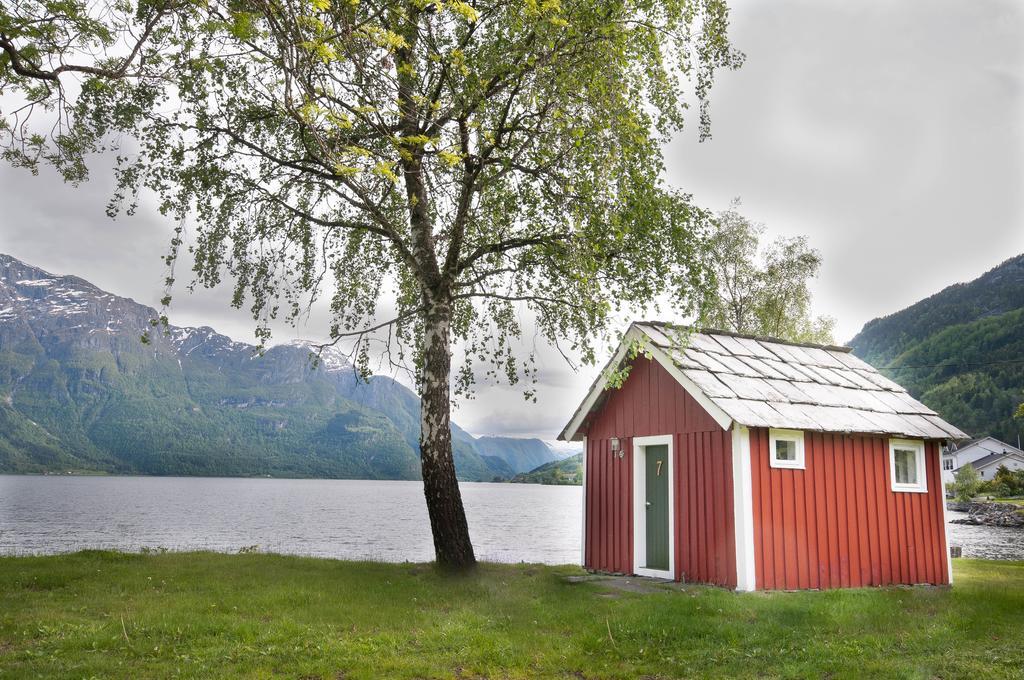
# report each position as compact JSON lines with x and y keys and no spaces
{"x":80,"y":391}
{"x":960,"y":351}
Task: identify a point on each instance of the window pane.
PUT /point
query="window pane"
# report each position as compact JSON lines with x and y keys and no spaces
{"x":906,"y":466}
{"x":785,"y":449}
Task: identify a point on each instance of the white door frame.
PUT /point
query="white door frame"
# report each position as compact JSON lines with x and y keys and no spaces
{"x":640,"y":507}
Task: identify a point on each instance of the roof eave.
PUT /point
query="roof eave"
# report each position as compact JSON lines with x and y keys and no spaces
{"x":650,"y":332}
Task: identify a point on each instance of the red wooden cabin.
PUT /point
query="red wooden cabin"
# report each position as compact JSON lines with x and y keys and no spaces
{"x":759,"y":464}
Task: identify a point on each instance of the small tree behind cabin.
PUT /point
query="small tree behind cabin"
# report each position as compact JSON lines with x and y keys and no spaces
{"x":1006,"y":483}
{"x":763,"y":291}
{"x":478,"y":163}
{"x":966,"y":483}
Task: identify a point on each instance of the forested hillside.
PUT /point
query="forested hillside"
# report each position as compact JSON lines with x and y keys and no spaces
{"x":961,"y":351}
{"x":79,"y":391}
{"x":568,"y":471}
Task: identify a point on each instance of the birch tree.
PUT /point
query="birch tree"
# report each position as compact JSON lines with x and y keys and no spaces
{"x":763,"y":291}
{"x":444,"y":173}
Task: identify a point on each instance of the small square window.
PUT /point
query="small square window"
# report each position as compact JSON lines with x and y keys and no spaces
{"x":786,"y":449}
{"x":947,"y":463}
{"x":907,"y":465}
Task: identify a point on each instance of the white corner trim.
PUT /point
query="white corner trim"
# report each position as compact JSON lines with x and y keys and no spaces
{"x":796,"y":436}
{"x":945,"y":522}
{"x":583,"y":521}
{"x":640,"y":510}
{"x":921,"y":486}
{"x":723,"y":419}
{"x":743,"y":509}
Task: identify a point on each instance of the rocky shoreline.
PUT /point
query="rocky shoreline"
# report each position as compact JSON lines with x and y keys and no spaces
{"x":989,"y":514}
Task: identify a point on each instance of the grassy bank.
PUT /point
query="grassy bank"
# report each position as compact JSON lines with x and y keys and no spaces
{"x":207,"y":615}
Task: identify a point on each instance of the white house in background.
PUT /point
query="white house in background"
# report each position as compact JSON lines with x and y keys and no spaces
{"x":986,"y":453}
{"x":988,"y":465}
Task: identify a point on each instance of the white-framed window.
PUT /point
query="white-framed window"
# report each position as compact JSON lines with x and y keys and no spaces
{"x":786,"y":449}
{"x":906,"y":465}
{"x":947,"y":463}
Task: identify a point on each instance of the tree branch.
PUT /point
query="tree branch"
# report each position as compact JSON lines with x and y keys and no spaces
{"x":25,"y":69}
{"x":511,"y":244}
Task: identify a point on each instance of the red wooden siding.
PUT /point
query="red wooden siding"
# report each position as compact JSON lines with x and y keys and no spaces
{"x":838,"y":523}
{"x":650,"y":403}
{"x":705,"y":530}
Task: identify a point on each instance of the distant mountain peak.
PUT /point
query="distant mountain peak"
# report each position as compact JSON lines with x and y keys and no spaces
{"x":522,"y":455}
{"x":66,"y":306}
{"x":15,"y":272}
{"x":187,"y":339}
{"x":331,"y":358}
{"x":80,"y":391}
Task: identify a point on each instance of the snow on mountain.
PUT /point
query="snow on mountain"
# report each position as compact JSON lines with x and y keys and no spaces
{"x":331,"y":359}
{"x":76,"y":366}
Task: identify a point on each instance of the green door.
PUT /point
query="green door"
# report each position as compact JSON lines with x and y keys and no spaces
{"x":657,"y":506}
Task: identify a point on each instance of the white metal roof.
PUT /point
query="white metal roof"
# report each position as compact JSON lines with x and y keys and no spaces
{"x":763,"y":382}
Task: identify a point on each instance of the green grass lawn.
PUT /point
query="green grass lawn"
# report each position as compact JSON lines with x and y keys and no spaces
{"x":100,"y":614}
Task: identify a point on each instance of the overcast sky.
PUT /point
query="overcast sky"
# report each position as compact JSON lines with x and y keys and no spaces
{"x":890,"y":133}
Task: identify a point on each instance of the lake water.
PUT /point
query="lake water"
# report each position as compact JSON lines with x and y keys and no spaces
{"x":383,"y":520}
{"x":992,"y":543}
{"x":327,"y":518}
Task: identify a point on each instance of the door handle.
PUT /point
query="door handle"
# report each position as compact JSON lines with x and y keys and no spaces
{"x":648,"y":504}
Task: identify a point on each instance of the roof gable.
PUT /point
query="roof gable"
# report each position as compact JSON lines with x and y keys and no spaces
{"x":990,"y":444}
{"x":763,"y":382}
{"x":595,"y":396}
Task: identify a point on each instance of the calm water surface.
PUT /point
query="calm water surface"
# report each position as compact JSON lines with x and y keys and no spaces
{"x":992,"y":543}
{"x":327,"y":518}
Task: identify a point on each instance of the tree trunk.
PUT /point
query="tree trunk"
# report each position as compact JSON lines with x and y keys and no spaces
{"x":452,"y":547}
